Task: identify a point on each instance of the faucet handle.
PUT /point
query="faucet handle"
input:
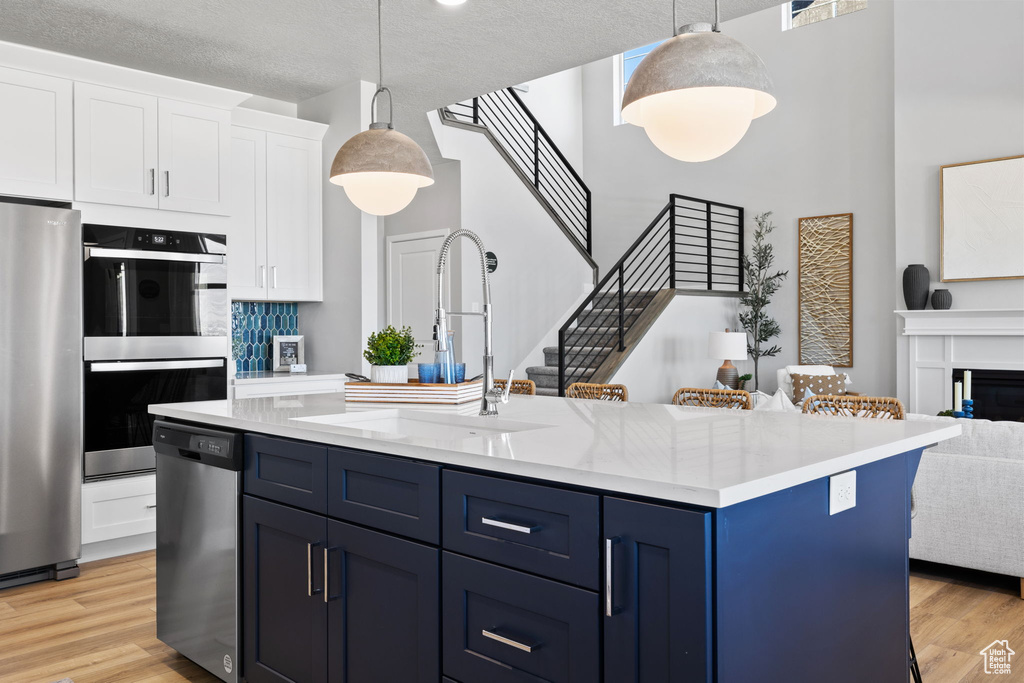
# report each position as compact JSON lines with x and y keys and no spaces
{"x":508,"y":387}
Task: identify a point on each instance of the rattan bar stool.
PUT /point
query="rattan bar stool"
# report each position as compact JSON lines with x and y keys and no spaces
{"x":713,"y":398}
{"x":519,"y":386}
{"x":600,"y":392}
{"x":872,"y":407}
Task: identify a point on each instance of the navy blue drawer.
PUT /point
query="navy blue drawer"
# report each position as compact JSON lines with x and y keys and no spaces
{"x":503,"y":626}
{"x":289,"y":472}
{"x":390,"y":494}
{"x":539,"y":529}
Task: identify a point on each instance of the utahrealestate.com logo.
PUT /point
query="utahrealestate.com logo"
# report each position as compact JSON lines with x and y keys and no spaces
{"x":997,"y":657}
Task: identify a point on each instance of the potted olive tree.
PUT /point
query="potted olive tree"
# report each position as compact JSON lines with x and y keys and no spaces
{"x":389,"y":353}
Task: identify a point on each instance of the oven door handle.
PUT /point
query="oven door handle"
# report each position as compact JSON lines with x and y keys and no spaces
{"x":122,"y":366}
{"x":103,"y":252}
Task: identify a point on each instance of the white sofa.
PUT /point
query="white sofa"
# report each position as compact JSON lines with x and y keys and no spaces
{"x":969,"y":498}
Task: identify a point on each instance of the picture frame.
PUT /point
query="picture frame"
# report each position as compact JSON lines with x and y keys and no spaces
{"x":825,"y":290}
{"x":288,"y":349}
{"x":981,"y":220}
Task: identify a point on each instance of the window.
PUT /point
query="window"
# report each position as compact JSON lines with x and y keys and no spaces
{"x":625,"y":65}
{"x":803,"y":12}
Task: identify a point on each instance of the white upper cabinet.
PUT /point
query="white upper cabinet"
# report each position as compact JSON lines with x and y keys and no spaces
{"x":247,"y":242}
{"x":138,"y":150}
{"x":195,"y":148}
{"x":275,"y":245}
{"x":294,"y":223}
{"x":115,"y":146}
{"x":35,"y":135}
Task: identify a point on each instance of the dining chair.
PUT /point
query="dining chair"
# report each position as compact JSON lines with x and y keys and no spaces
{"x":713,"y":398}
{"x":600,"y":392}
{"x":526,"y":387}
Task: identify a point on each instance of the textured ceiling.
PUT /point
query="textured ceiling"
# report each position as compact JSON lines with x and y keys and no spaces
{"x":295,"y":49}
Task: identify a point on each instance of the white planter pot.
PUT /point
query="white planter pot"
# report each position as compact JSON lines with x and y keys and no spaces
{"x":389,"y":374}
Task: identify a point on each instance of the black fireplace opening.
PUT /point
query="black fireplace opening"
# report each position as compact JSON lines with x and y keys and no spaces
{"x":997,"y":394}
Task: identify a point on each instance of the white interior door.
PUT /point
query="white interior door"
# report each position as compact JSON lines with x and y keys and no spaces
{"x":115,"y":146}
{"x":412,"y":285}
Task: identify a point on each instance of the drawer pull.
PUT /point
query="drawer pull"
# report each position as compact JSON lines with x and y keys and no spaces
{"x":508,"y":525}
{"x":507,"y":641}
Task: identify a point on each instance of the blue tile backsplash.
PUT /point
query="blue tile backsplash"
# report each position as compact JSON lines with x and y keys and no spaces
{"x":253,"y":326}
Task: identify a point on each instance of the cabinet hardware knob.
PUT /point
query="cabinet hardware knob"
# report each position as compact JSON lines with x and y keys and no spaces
{"x":508,"y":525}
{"x":507,"y":641}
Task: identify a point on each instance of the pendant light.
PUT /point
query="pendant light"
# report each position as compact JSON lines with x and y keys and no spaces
{"x":696,"y":94}
{"x":380,"y":168}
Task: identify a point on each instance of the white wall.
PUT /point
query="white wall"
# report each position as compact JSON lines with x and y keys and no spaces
{"x":827,"y":148}
{"x":674,"y":352}
{"x":557,"y":102}
{"x":334,"y":329}
{"x":539,"y":272}
{"x":959,"y":97}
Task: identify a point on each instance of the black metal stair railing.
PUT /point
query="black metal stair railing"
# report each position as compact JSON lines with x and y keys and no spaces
{"x":692,"y":244}
{"x":534,"y":156}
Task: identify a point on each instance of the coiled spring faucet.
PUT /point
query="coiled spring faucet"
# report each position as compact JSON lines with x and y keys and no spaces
{"x":491,"y":397}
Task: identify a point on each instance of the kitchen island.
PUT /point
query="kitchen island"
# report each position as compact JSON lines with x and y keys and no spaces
{"x":569,"y":540}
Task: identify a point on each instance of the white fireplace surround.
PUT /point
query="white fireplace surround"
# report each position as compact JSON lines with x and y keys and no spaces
{"x":934,"y":343}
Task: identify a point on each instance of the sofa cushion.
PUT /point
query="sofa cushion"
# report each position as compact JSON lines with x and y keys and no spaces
{"x":1002,"y":439}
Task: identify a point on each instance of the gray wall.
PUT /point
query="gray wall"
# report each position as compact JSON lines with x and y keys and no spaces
{"x":827,"y":148}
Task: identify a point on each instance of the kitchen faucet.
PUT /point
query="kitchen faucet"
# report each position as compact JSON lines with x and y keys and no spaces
{"x":492,"y":397}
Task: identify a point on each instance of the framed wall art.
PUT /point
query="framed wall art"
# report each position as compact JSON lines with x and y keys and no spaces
{"x":981,"y":220}
{"x":825,"y":290}
{"x":288,"y":350}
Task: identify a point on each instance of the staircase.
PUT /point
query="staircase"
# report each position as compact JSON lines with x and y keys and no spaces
{"x":693,"y":246}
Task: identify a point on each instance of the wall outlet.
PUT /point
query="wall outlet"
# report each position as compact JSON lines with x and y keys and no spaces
{"x":842,"y":491}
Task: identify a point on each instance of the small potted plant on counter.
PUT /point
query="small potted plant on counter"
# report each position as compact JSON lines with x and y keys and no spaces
{"x":389,"y":353}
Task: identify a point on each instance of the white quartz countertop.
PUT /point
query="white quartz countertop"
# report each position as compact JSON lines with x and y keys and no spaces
{"x":261,"y":377}
{"x":708,"y":457}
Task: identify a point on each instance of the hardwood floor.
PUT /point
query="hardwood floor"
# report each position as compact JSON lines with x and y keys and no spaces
{"x":98,"y":628}
{"x":101,"y":628}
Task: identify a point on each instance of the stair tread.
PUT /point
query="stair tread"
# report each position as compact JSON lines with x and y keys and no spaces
{"x":576,"y":349}
{"x":553,"y":370}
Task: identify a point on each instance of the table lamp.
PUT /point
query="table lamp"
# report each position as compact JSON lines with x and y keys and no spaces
{"x":730,"y":346}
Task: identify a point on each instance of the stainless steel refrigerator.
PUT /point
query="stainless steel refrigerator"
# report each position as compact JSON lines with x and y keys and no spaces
{"x":40,"y":393}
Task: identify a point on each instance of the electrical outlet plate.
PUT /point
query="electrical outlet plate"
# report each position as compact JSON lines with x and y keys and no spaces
{"x":842,"y":491}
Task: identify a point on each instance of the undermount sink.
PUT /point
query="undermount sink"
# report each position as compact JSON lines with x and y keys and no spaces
{"x":422,"y":425}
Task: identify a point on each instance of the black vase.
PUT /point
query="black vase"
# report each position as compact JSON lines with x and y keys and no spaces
{"x":941,"y":299}
{"x":915,"y":286}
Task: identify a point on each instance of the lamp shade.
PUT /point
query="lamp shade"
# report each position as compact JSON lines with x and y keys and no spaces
{"x":696,"y":94}
{"x":381,"y":170}
{"x":727,"y":345}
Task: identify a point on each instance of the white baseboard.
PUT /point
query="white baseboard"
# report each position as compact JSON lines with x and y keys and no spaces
{"x":101,"y":550}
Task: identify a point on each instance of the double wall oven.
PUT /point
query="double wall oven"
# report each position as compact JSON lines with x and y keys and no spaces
{"x":156,"y":331}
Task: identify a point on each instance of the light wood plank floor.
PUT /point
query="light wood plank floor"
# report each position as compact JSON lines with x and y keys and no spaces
{"x":100,"y":627}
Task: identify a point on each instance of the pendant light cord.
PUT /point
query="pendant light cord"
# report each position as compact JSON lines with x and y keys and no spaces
{"x":715,"y":26}
{"x":380,"y":78}
{"x":380,"y":49}
{"x":675,"y":24}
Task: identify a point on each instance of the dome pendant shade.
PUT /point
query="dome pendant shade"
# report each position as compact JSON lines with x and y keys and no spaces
{"x":696,"y":94}
{"x":381,"y":170}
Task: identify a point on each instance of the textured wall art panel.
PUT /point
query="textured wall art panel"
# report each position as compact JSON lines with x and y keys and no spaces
{"x":826,"y":290}
{"x":982,"y":220}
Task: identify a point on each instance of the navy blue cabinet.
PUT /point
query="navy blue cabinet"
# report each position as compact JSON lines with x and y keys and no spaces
{"x":285,"y":471}
{"x":382,"y":607}
{"x":284,"y":614}
{"x":657,"y":598}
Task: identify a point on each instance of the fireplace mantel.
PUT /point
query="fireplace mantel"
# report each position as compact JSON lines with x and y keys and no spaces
{"x":938,"y":342}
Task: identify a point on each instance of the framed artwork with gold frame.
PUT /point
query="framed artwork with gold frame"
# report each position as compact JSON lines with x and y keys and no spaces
{"x":825,"y":290}
{"x":981,"y":220}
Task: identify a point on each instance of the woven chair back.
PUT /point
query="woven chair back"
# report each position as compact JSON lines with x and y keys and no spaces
{"x":519,"y":386}
{"x":600,"y":392}
{"x":880,"y":407}
{"x":713,"y":398}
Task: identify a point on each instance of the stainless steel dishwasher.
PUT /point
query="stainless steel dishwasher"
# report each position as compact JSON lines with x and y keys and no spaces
{"x":198,"y":484}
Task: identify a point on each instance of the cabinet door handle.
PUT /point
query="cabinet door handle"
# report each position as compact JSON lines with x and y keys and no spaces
{"x":263,"y":276}
{"x":609,"y":569}
{"x":273,"y":275}
{"x":508,"y":525}
{"x":151,"y":507}
{"x":310,"y":591}
{"x":167,"y":183}
{"x":152,"y":181}
{"x":327,"y":577}
{"x":507,"y":641}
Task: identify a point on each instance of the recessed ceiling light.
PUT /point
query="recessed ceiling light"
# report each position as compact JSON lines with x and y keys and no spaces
{"x":451,"y":2}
